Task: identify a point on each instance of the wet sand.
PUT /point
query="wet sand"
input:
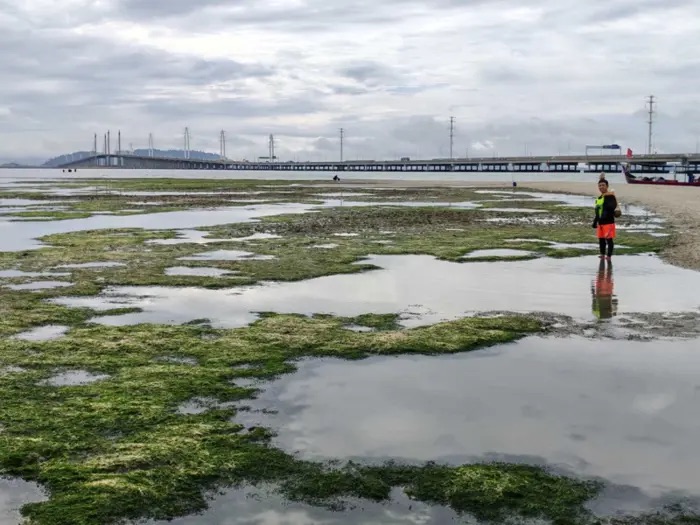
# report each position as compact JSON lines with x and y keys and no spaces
{"x":681,"y":206}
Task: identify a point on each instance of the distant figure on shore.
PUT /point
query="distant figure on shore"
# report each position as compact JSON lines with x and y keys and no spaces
{"x":336,"y":178}
{"x":604,"y":221}
{"x":602,"y":291}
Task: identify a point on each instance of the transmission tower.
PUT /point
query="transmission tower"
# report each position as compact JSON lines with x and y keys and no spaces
{"x":272,"y":148}
{"x":151,"y":151}
{"x":222,"y":145}
{"x":342,"y":135}
{"x":187,"y":143}
{"x":651,"y":121}
{"x":452,"y":135}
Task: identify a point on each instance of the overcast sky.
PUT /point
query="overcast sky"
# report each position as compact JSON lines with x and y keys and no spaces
{"x":535,"y":76}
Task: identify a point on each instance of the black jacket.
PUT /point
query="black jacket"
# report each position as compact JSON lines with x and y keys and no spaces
{"x":606,"y":213}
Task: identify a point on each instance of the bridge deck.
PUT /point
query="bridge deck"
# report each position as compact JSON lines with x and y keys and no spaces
{"x":661,"y":163}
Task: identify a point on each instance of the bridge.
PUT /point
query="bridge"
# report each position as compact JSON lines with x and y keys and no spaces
{"x":642,"y":164}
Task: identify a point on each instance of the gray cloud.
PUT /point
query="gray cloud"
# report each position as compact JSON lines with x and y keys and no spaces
{"x":542,"y":77}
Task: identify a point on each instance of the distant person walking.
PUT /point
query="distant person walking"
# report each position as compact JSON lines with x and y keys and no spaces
{"x":604,"y":222}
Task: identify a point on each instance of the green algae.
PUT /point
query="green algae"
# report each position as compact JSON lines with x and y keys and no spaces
{"x":118,"y":448}
{"x":446,"y":233}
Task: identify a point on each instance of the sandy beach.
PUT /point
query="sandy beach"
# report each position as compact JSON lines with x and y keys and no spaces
{"x":681,"y":206}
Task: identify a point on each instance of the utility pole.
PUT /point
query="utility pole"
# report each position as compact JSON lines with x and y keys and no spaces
{"x":150,"y":145}
{"x":109,"y":143}
{"x":651,"y":121}
{"x":342,"y":135}
{"x":452,"y":135}
{"x":119,"y":142}
{"x":94,"y":146}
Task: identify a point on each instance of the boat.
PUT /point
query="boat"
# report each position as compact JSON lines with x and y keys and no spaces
{"x":691,"y":179}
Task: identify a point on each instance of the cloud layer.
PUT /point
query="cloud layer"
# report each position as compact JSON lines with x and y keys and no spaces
{"x":543,"y":77}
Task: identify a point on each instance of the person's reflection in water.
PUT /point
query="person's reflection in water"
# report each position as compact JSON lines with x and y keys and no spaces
{"x":604,"y":301}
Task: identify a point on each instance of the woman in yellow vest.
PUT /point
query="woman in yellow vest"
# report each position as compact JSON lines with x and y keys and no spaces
{"x":604,"y":221}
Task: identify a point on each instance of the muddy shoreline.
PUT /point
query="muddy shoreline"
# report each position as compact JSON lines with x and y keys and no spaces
{"x":680,"y":206}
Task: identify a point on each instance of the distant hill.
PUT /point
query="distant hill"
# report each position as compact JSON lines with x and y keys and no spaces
{"x":14,"y":165}
{"x":169,"y":153}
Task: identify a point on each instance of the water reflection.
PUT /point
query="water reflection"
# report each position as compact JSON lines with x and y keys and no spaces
{"x":621,"y":410}
{"x":262,"y":506}
{"x":14,"y":493}
{"x":602,"y":289}
{"x":422,"y":289}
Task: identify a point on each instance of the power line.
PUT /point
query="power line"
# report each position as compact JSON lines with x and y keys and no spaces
{"x":651,"y":121}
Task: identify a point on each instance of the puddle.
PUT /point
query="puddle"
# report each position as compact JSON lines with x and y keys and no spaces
{"x":25,"y":202}
{"x":19,"y":273}
{"x":499,"y":253}
{"x":257,"y":237}
{"x":43,"y":333}
{"x":263,"y":506}
{"x":348,"y":194}
{"x":22,"y":235}
{"x":516,"y":210}
{"x":531,"y":220}
{"x":105,"y":264}
{"x":437,"y":290}
{"x":564,"y":245}
{"x":227,"y":255}
{"x":620,"y":410}
{"x":14,"y":493}
{"x":178,"y":360}
{"x":329,"y":246}
{"x":17,"y":236}
{"x":199,"y":405}
{"x":10,"y":370}
{"x":39,"y":285}
{"x":74,"y":378}
{"x":412,"y":204}
{"x":576,"y":201}
{"x":188,"y":237}
{"x":198,"y":272}
{"x":346,"y":234}
{"x":199,"y":237}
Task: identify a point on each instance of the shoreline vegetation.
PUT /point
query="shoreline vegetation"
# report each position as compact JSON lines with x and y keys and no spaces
{"x":109,"y":443}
